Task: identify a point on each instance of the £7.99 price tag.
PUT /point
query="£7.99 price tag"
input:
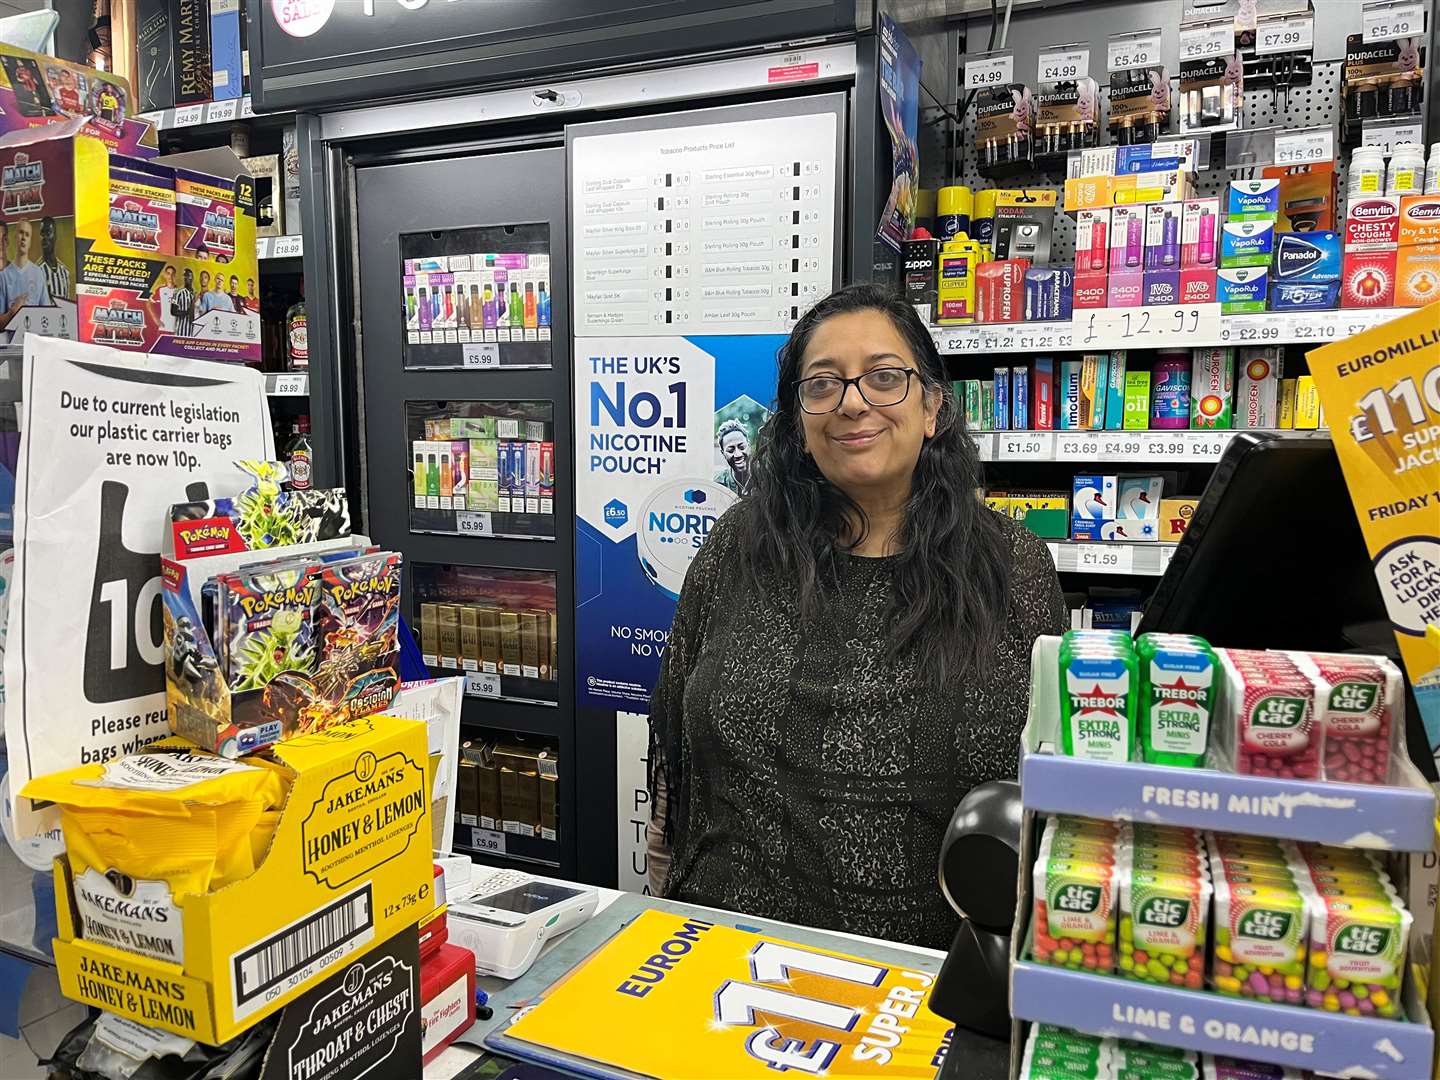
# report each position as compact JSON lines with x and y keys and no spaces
{"x":1293,"y":34}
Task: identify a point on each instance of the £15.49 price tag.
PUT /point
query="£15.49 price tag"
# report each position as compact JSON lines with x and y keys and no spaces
{"x":482,"y":684}
{"x":1305,"y":147}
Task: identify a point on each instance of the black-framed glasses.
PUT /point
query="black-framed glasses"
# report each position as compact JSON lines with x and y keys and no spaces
{"x":881,"y":387}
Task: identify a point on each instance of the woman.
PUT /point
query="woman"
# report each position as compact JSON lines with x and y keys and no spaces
{"x":851,"y":650}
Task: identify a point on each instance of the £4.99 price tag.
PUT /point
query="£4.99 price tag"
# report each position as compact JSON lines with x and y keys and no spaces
{"x":989,"y":69}
{"x":1064,"y":63}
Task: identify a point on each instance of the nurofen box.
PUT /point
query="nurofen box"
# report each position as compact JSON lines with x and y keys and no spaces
{"x":142,"y":205}
{"x":318,"y":896}
{"x":1257,"y":387}
{"x":206,"y":209}
{"x":1212,"y":388}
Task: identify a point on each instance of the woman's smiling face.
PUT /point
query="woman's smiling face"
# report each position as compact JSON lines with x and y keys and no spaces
{"x":860,"y":447}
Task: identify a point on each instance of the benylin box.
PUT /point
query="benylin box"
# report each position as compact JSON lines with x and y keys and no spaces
{"x":321,"y":894}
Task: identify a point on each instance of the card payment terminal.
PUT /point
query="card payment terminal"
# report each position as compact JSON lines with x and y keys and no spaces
{"x":509,"y":916}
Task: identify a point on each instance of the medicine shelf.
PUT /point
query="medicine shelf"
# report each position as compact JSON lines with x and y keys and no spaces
{"x":289,"y":384}
{"x":1102,"y":446}
{"x":1398,"y":817}
{"x":1264,"y":328}
{"x":1107,"y":557}
{"x":1328,"y":1042}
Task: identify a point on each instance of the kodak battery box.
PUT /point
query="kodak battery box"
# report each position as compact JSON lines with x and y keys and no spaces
{"x":1247,"y":243}
{"x":1253,"y":200}
{"x":1312,"y":257}
{"x":142,"y":206}
{"x":1372,"y":223}
{"x":205,"y":208}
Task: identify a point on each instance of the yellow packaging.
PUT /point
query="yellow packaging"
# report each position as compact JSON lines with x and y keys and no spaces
{"x":470,"y":639}
{"x":489,"y":641}
{"x":1027,"y":197}
{"x":1175,"y":515}
{"x":1089,"y":192}
{"x":1388,"y":454}
{"x":430,"y":633}
{"x":510,"y":642}
{"x":955,"y":284}
{"x":1001,"y":504}
{"x":347,"y":867}
{"x":449,"y":618}
{"x":1307,"y":403}
{"x":1286,"y":410}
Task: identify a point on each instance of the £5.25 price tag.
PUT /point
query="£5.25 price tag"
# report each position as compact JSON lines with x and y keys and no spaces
{"x":1388,"y":20}
{"x":1064,"y":63}
{"x":1305,"y":147}
{"x":1105,"y":558}
{"x":989,"y":69}
{"x":1293,"y":34}
{"x":1135,"y":50}
{"x":485,"y":355}
{"x":1204,"y":42}
{"x":487,"y":841}
{"x":482,"y":684}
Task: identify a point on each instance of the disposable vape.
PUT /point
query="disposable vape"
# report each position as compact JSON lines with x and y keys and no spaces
{"x":449,"y":306}
{"x":516,"y":306}
{"x":1170,"y":241}
{"x":425,"y":313}
{"x":502,"y":307}
{"x":531,"y":313}
{"x":447,"y":479}
{"x":419,"y":480}
{"x":1099,"y":237}
{"x":1134,"y":246}
{"x":1205,"y":253}
{"x":432,"y":478}
{"x":487,"y":308}
{"x":543,"y":306}
{"x":475,"y":308}
{"x":412,"y":314}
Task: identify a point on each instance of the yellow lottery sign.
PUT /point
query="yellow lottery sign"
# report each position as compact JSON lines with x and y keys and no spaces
{"x":679,"y":998}
{"x":1381,"y":392}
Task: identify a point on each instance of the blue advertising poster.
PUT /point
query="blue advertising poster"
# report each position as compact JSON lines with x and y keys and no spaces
{"x":900,"y":105}
{"x":665,"y":429}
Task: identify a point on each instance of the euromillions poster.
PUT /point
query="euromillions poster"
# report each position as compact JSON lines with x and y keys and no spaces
{"x":665,"y":430}
{"x":900,"y":105}
{"x":1381,"y":392}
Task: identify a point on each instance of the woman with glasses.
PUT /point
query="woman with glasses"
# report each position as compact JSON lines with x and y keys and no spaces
{"x":851,"y":650}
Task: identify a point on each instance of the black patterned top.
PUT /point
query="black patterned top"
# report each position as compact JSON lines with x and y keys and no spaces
{"x":811,"y":777}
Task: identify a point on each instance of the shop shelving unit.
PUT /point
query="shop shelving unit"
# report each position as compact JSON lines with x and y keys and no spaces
{"x":1400,"y":817}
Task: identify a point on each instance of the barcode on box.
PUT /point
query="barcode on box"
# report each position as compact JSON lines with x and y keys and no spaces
{"x":280,"y":962}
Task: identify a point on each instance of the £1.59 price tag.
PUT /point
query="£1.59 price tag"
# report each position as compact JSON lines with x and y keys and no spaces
{"x":1105,"y":558}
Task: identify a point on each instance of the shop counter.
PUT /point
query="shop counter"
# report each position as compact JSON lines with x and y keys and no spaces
{"x":985,"y":1058}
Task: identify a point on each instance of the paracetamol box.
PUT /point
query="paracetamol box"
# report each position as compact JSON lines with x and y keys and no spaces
{"x":1253,"y":200}
{"x":1212,"y":388}
{"x":1313,"y":257}
{"x":1247,"y":243}
{"x":1242,"y":288}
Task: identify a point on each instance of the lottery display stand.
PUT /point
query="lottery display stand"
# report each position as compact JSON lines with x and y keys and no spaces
{"x":1330,"y":827}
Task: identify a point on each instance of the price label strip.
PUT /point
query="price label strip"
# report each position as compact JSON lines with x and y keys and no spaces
{"x":189,"y":115}
{"x":222,"y":111}
{"x":1178,"y":325}
{"x":1064,"y":63}
{"x":749,"y":1004}
{"x":1387,"y":21}
{"x":1293,"y":34}
{"x":989,"y":69}
{"x":1105,"y":558}
{"x":1025,"y":446}
{"x":1305,"y":146}
{"x":1125,"y":51}
{"x":1386,"y":135}
{"x":1210,"y":40}
{"x":287,"y":247}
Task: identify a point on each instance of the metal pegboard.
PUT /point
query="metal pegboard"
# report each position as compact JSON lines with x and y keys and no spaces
{"x":1305,"y":106}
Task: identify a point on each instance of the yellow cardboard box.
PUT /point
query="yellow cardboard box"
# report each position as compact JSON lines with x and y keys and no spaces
{"x":348,"y":867}
{"x":1175,"y":515}
{"x":1088,"y":192}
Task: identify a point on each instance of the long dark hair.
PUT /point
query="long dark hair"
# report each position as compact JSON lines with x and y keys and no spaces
{"x":950,"y":574}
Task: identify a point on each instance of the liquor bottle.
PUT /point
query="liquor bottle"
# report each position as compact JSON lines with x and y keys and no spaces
{"x":297,"y":339}
{"x":298,"y":455}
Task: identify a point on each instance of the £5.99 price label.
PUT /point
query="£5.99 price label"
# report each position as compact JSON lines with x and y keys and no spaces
{"x":750,"y":1005}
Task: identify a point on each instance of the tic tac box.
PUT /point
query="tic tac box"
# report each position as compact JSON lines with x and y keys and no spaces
{"x":1372,"y":223}
{"x":1242,"y":288}
{"x":1253,"y":200}
{"x":1247,"y":243}
{"x":36,"y":90}
{"x":1420,"y":219}
{"x":1312,"y":257}
{"x":1367,"y":278}
{"x":346,"y":869}
{"x":1417,"y":275}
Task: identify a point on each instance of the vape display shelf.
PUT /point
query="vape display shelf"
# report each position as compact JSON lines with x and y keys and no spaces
{"x":211,"y":112}
{"x":1395,"y":817}
{"x":1083,"y":446}
{"x":1291,"y":1035}
{"x":1265,"y":328}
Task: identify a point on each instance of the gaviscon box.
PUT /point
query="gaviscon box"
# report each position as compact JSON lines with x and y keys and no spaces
{"x":1372,"y":223}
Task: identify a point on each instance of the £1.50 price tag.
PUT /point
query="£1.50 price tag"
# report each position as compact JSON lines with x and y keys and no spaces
{"x":482,"y":684}
{"x":1025,"y":446}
